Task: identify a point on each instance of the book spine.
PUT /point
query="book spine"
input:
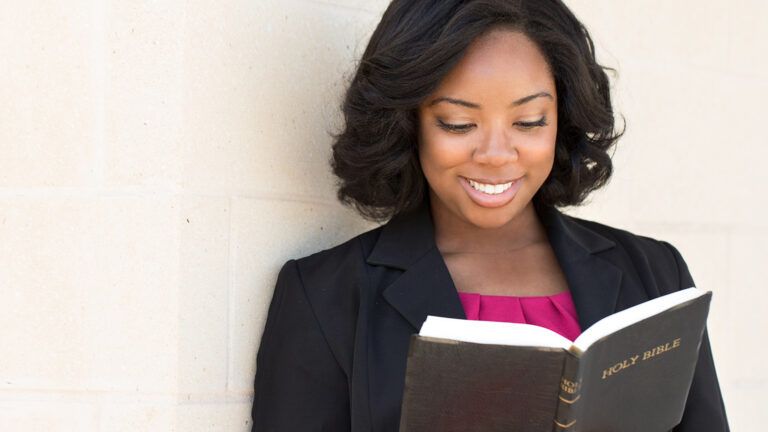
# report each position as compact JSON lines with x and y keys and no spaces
{"x":568,"y":399}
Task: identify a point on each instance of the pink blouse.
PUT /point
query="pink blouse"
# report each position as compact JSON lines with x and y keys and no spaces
{"x":555,"y":312}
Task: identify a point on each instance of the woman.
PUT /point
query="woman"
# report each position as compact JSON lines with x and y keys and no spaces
{"x":467,"y":124}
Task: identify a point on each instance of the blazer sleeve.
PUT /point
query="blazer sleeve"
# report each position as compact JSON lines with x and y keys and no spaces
{"x":704,"y":409}
{"x":299,"y":385}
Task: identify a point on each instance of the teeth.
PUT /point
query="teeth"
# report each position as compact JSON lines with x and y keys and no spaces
{"x":490,"y":189}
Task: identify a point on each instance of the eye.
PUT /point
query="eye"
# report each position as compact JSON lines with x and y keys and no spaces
{"x":531,"y":125}
{"x":454,"y":128}
{"x":464,"y":128}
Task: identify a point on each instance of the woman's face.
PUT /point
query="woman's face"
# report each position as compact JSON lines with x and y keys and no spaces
{"x":493,"y":119}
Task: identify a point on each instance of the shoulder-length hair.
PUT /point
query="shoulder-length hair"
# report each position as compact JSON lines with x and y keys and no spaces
{"x":414,"y":46}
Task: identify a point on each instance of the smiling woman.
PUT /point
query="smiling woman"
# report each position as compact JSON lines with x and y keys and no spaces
{"x":393,"y":102}
{"x":467,"y":124}
{"x":486,"y":149}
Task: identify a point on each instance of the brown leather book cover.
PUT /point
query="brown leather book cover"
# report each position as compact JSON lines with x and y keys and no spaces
{"x":635,"y":378}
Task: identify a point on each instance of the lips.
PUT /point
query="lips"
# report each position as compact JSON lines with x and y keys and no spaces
{"x":491,"y":182}
{"x":483,"y":199}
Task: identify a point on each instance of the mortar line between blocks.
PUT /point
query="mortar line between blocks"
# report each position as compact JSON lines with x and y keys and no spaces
{"x":154,"y":192}
{"x":98,"y":87}
{"x":230,"y":301}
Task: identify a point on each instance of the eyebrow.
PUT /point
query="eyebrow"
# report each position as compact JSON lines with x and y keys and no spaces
{"x":477,"y":106}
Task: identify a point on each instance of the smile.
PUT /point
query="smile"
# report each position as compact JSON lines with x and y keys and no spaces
{"x":490,"y":188}
{"x":491,"y":195}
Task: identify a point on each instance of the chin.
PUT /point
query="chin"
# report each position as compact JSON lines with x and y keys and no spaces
{"x":490,"y":218}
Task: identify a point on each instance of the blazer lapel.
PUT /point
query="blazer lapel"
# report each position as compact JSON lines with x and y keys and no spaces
{"x":594,"y":281}
{"x":407,"y":243}
{"x":425,"y":287}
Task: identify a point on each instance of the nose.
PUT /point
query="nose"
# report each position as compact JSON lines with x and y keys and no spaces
{"x":496,"y":148}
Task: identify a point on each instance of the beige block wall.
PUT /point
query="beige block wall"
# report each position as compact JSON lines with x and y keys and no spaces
{"x":161,"y":160}
{"x":692,"y":83}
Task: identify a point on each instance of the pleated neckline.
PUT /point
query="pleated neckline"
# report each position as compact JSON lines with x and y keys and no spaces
{"x":555,"y":312}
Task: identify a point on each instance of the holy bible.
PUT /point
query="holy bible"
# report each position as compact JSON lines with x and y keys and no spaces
{"x":630,"y":371}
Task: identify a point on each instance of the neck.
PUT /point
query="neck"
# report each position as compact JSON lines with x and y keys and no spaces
{"x":454,"y":234}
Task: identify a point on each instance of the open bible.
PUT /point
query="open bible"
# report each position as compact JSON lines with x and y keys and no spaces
{"x":630,"y":371}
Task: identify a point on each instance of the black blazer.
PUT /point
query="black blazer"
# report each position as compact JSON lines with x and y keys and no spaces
{"x":334,"y":348}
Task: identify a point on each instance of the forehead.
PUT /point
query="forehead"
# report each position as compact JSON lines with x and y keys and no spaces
{"x":500,"y":61}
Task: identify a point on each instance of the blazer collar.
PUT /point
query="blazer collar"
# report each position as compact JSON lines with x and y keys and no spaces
{"x":407,"y":242}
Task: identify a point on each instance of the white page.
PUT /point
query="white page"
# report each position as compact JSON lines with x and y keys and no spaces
{"x":503,"y":333}
{"x":491,"y":332}
{"x":627,"y":317}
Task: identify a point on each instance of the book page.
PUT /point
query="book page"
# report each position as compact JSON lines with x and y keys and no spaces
{"x":492,"y":332}
{"x":504,"y":333}
{"x":639,"y":312}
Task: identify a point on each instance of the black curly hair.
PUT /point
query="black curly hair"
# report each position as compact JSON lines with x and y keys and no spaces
{"x":414,"y":46}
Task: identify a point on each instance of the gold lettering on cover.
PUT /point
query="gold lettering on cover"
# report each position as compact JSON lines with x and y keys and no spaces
{"x":618,"y":367}
{"x":653,"y":352}
{"x":649,"y":354}
{"x":569,"y":386}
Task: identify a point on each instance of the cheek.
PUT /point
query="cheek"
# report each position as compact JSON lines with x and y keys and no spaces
{"x":440,"y":153}
{"x":538,"y":157}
